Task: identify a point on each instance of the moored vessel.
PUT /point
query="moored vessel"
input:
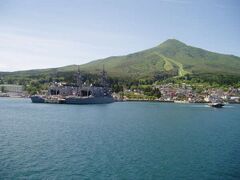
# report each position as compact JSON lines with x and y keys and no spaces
{"x":80,"y":93}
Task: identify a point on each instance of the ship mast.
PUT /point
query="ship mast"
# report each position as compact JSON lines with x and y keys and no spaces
{"x":104,"y":83}
{"x":104,"y":78}
{"x":79,"y":81}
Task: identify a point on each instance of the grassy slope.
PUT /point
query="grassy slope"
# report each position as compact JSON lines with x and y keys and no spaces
{"x":167,"y":56}
{"x":142,"y":64}
{"x":181,"y":71}
{"x":196,"y":60}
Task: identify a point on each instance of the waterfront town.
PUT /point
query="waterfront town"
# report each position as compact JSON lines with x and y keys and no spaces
{"x":178,"y":93}
{"x":185,"y":93}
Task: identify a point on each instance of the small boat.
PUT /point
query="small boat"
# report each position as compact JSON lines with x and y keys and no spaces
{"x":216,"y":105}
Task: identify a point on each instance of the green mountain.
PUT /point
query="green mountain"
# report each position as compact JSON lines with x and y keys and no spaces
{"x":171,"y":58}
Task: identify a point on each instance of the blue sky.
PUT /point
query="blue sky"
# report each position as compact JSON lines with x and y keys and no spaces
{"x":53,"y":33}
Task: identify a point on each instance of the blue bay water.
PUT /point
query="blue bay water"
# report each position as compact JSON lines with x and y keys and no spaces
{"x":128,"y":140}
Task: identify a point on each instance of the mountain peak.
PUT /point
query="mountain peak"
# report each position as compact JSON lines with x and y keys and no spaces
{"x":172,"y":42}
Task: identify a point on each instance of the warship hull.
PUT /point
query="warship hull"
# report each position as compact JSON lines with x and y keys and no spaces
{"x":74,"y":100}
{"x":89,"y":100}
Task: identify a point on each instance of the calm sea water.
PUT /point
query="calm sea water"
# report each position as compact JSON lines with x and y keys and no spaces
{"x":118,"y":141}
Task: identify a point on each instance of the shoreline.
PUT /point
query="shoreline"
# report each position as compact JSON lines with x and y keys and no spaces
{"x":136,"y":100}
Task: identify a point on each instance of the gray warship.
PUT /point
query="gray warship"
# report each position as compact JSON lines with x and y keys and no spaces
{"x":80,"y":93}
